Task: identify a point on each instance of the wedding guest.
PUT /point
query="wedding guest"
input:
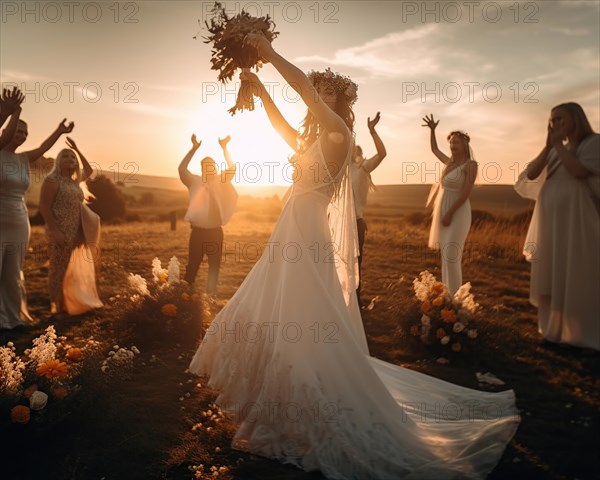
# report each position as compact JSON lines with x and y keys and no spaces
{"x":14,"y":222}
{"x":73,"y":232}
{"x":212,"y":203}
{"x":360,"y":171}
{"x":564,"y":235}
{"x":452,"y":210}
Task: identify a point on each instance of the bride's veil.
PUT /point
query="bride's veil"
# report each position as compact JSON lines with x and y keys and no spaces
{"x":342,"y":223}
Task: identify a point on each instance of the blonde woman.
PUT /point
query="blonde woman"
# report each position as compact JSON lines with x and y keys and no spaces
{"x":452,"y":210}
{"x":564,"y":235}
{"x":73,"y":234}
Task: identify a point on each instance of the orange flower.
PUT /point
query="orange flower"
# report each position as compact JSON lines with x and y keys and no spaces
{"x":426,"y":306}
{"x":74,"y":354}
{"x":415,"y":330}
{"x":52,"y":369}
{"x":20,"y":414}
{"x":448,"y":315}
{"x":28,"y":392}
{"x":456,"y":347}
{"x":437,"y":288}
{"x":163,"y":278}
{"x":59,"y":392}
{"x":437,"y":301}
{"x":185,"y":297}
{"x":169,"y":310}
{"x":440,"y":333}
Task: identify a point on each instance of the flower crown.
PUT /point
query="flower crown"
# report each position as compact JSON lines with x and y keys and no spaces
{"x":340,"y":83}
{"x":463,"y":135}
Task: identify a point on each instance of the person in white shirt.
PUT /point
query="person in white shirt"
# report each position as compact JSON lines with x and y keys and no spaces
{"x":360,"y":171}
{"x":212,"y":203}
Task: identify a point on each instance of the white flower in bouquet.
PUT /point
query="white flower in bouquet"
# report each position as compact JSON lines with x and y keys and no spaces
{"x":11,"y":370}
{"x":425,"y":320}
{"x":139,"y":284}
{"x":444,"y":340}
{"x":423,"y":285}
{"x":472,"y":333}
{"x":466,"y":298}
{"x":173,"y":271}
{"x":159,"y":274}
{"x":44,"y":347}
{"x":38,"y":400}
{"x":458,"y":327}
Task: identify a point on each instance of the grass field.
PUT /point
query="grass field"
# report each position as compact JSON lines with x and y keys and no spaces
{"x":144,"y":427}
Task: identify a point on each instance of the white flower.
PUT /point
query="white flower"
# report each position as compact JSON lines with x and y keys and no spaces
{"x":472,"y":333}
{"x":44,"y":347}
{"x":173,"y":271}
{"x":139,"y":284}
{"x":38,"y":400}
{"x":157,"y":271}
{"x":445,"y":340}
{"x":466,"y":298}
{"x":458,"y":327}
{"x":425,"y":320}
{"x":423,"y":285}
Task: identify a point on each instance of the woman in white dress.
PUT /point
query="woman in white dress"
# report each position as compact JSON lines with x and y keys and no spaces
{"x":564,"y":235}
{"x":452,"y":210}
{"x":289,"y":354}
{"x":14,"y":223}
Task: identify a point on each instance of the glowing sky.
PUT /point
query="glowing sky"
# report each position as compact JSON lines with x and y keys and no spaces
{"x":137,"y":85}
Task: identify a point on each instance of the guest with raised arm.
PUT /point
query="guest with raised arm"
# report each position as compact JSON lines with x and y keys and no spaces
{"x":451,"y":219}
{"x":211,"y":205}
{"x":14,"y":222}
{"x":73,"y":232}
{"x":360,"y":172}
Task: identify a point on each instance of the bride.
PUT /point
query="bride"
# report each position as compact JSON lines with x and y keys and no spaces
{"x":288,"y":352}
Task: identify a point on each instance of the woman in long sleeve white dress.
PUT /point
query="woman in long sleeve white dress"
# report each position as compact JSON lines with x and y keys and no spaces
{"x":564,"y":235}
{"x":452,"y":210}
{"x":288,"y":352}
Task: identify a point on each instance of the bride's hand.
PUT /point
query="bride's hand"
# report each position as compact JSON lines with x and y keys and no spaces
{"x":254,"y":83}
{"x":260,"y":42}
{"x":447,"y":219}
{"x":195,"y":142}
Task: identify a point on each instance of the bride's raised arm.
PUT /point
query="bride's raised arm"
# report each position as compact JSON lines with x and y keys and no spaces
{"x":327,"y":118}
{"x":280,"y":124}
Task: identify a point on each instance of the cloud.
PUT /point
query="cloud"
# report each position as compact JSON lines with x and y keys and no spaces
{"x":396,"y":54}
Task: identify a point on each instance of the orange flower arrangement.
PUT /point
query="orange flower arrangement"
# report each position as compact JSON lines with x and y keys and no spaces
{"x":448,"y":315}
{"x":169,"y":310}
{"x":445,"y":319}
{"x":20,"y":414}
{"x":74,"y":354}
{"x":52,"y":369}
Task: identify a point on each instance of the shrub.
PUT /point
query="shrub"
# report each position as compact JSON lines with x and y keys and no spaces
{"x":109,"y":202}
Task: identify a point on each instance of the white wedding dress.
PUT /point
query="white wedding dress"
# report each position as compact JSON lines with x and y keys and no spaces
{"x":289,"y":355}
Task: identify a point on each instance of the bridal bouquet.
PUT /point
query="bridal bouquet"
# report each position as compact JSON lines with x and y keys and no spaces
{"x":229,"y":51}
{"x":446,"y":321}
